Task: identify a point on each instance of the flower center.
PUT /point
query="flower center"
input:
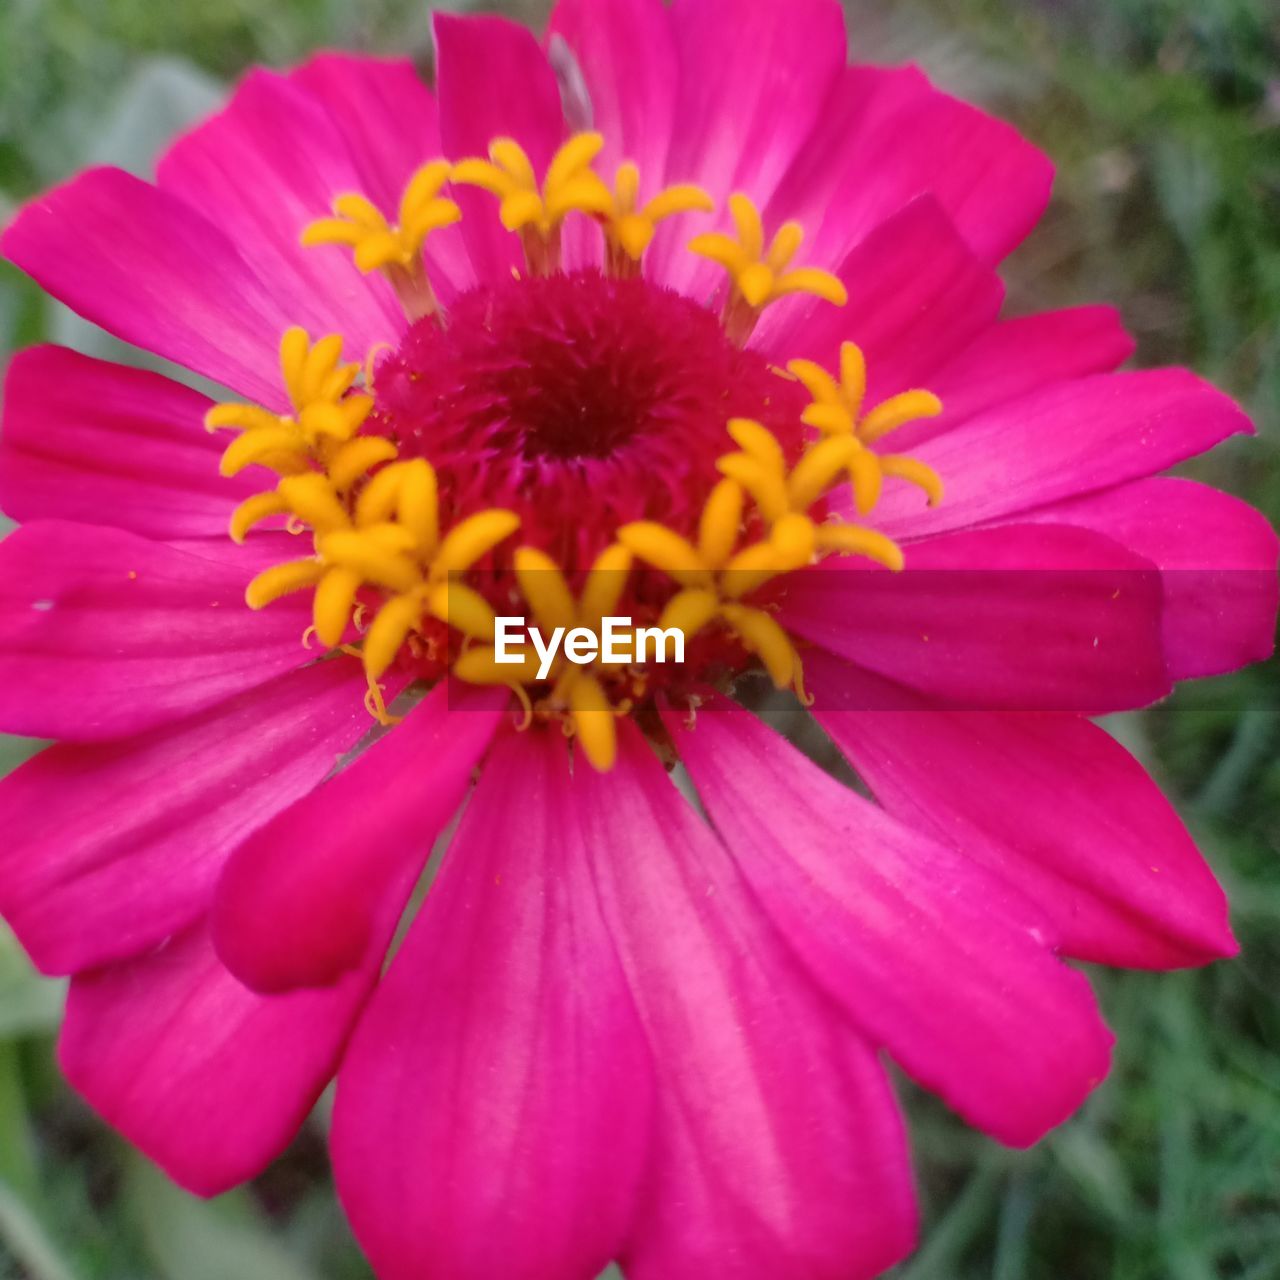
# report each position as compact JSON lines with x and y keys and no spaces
{"x":570,"y":447}
{"x":581,"y":402}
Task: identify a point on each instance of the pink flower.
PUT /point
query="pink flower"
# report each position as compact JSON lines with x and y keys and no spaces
{"x":619,"y":1026}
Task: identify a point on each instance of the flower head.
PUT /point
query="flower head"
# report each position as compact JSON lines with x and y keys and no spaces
{"x":482,"y":362}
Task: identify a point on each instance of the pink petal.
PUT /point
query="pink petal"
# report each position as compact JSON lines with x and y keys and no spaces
{"x":110,"y":849}
{"x":387,"y":118}
{"x":104,"y":634}
{"x":1061,"y":442}
{"x":101,"y":443}
{"x":626,"y":54}
{"x":780,"y":1149}
{"x":1020,"y":618}
{"x":298,"y":901}
{"x":265,"y":167}
{"x":263,"y":548}
{"x":493,"y":1112}
{"x":383,"y":113}
{"x":150,"y":269}
{"x":493,"y":81}
{"x":862,"y":98}
{"x":1051,"y":802}
{"x":207,"y":1079}
{"x":1217,"y":558}
{"x":1023,"y":355}
{"x":992,"y":183}
{"x":932,"y":956}
{"x":916,"y":296}
{"x":754,"y":78}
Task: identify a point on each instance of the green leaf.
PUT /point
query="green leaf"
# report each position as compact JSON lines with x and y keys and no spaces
{"x":29,"y":1003}
{"x":192,"y":1239}
{"x":29,"y":1241}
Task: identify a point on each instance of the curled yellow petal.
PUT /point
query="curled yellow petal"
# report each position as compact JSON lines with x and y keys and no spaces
{"x":794,"y":540}
{"x":352,"y":549}
{"x":749,"y":569}
{"x":593,"y":721}
{"x":277,"y":448}
{"x":312,"y":499}
{"x":417,"y":504}
{"x":757,"y":440}
{"x":910,"y":406}
{"x":765,"y":485}
{"x":254,"y":509}
{"x":545,"y":589}
{"x":377,"y":500}
{"x":917,"y":473}
{"x":331,"y":608}
{"x":480,"y":665}
{"x":867,"y":480}
{"x":463,"y":609}
{"x":721,"y":522}
{"x":765,"y":638}
{"x":819,"y":468}
{"x":282,"y":580}
{"x":357,"y":458}
{"x":851,"y":540}
{"x":666,"y":550}
{"x":604,"y":585}
{"x":816,"y":381}
{"x":853,"y":376}
{"x":689,"y":610}
{"x":820,"y":284}
{"x":388,"y":631}
{"x":475,"y":537}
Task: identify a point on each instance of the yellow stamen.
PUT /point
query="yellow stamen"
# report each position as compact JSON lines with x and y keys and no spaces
{"x":760,"y":275}
{"x":537,"y":212}
{"x":327,"y":412}
{"x":593,"y":721}
{"x":252,"y":510}
{"x":715,"y":579}
{"x":578,"y":695}
{"x":282,"y":580}
{"x":836,"y":411}
{"x":717,"y":574}
{"x":545,"y":590}
{"x":331,"y":608}
{"x":764,"y":637}
{"x":630,"y":227}
{"x":783,"y":497}
{"x":380,"y":531}
{"x":396,"y":251}
{"x":606,"y":582}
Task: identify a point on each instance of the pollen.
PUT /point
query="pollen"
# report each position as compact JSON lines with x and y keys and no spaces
{"x":376,"y":529}
{"x":760,"y":274}
{"x":837,"y":412}
{"x":713,"y":577}
{"x":580,"y":696}
{"x":718,"y":571}
{"x":327,"y":414}
{"x":536,"y":212}
{"x":631,"y":226}
{"x":555,"y":448}
{"x":785,"y":498}
{"x":388,"y":539}
{"x":396,"y":250}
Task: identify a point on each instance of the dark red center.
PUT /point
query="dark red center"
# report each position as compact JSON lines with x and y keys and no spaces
{"x":580,"y":402}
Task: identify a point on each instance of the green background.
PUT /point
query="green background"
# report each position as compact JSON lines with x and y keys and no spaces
{"x":1164,"y":117}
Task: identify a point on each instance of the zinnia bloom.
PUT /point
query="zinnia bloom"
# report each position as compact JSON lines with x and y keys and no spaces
{"x":677,"y":317}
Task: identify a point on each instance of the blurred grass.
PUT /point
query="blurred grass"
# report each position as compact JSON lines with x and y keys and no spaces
{"x":1164,"y":117}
